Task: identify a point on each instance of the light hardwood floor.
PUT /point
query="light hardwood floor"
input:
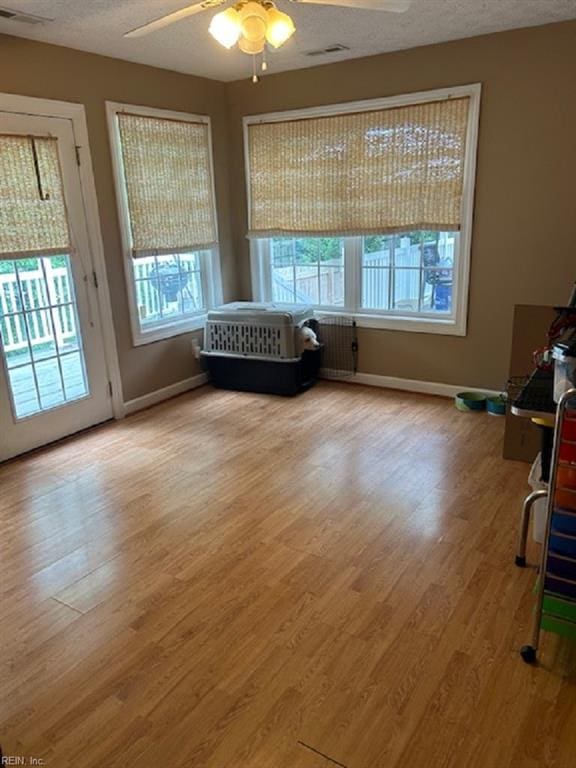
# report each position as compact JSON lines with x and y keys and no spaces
{"x":227,"y":577}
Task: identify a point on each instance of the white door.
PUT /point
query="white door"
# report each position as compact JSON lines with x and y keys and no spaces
{"x":53,"y":373}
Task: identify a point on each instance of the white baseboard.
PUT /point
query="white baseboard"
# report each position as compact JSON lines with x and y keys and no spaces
{"x":407,"y":385}
{"x":153,"y":398}
{"x":369,"y":379}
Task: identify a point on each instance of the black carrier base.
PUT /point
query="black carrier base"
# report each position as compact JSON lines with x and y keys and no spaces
{"x":264,"y":376}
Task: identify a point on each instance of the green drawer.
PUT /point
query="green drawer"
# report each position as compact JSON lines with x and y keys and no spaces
{"x":558,"y":626}
{"x":562,"y":609}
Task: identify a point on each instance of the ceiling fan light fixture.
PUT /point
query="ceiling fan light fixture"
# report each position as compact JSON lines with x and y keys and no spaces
{"x":252,"y":24}
{"x":254,"y":29}
{"x":279,"y":28}
{"x":252,"y":8}
{"x":251,"y":46}
{"x":226,"y":28}
{"x":253,"y":19}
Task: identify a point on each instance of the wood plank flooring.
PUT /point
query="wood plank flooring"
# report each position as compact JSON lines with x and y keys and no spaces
{"x":239,"y":581}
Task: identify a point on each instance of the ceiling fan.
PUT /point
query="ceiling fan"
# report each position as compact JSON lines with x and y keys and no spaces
{"x":253,"y":23}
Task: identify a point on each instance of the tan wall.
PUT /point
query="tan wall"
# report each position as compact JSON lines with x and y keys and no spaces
{"x":524,"y":239}
{"x":51,"y":72}
{"x":524,"y":236}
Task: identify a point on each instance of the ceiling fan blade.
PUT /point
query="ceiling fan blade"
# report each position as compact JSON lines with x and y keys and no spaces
{"x":393,"y":6}
{"x":171,"y":18}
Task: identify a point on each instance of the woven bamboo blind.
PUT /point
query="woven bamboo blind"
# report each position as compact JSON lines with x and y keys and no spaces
{"x":168,"y":183}
{"x":33,"y":219}
{"x":389,"y":170}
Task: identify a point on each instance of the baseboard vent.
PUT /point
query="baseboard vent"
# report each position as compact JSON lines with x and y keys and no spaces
{"x":25,"y":18}
{"x":336,"y":48}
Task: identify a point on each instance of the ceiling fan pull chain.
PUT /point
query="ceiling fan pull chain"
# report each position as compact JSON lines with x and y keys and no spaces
{"x":254,"y":75}
{"x":264,"y":62}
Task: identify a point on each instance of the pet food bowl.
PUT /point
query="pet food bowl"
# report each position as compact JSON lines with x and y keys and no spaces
{"x":496,"y":406}
{"x":470,"y":401}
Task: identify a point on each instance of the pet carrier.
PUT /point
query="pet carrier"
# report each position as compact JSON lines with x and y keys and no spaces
{"x":259,"y":348}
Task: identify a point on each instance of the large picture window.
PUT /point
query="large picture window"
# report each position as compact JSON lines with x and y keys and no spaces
{"x":164,"y":178}
{"x":366,"y":208}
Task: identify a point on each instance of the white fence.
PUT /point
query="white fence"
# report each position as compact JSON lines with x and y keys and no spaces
{"x":325,"y":280}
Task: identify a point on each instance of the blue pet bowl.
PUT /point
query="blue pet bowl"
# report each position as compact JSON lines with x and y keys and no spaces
{"x":471,"y":401}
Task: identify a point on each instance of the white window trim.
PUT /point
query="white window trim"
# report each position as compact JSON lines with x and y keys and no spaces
{"x":456,"y":324}
{"x":211,"y":274}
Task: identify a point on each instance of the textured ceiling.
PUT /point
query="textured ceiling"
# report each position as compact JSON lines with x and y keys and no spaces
{"x":98,"y":26}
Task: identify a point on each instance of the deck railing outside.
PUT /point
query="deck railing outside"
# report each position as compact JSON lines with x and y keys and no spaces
{"x":33,"y":287}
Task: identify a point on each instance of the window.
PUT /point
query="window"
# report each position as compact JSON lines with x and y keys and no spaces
{"x":412,"y":273}
{"x":169,"y":287}
{"x":308,"y":270}
{"x":165,"y":190}
{"x":366,"y":208}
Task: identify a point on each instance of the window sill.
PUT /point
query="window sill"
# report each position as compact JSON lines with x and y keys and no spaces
{"x":162,"y":332}
{"x":445,"y":327}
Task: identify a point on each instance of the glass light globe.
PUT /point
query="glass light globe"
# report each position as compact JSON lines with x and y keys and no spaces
{"x":280,"y":27}
{"x":251,"y":46}
{"x":253,"y":9}
{"x":225,"y":27}
{"x":253,"y":28}
{"x":253,"y":19}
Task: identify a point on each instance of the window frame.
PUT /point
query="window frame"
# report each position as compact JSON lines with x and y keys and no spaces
{"x":456,"y":323}
{"x":211,"y":277}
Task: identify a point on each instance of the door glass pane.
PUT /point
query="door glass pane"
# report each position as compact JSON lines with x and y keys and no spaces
{"x":24,"y":391}
{"x":50,"y":386}
{"x":40,"y":327}
{"x":66,"y":329}
{"x":73,"y":375}
{"x":41,"y":339}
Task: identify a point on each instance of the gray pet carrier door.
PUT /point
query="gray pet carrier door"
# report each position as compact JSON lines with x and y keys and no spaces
{"x":340,"y":351}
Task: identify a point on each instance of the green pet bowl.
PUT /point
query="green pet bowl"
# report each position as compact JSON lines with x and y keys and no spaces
{"x":496,"y":406}
{"x":470,"y":401}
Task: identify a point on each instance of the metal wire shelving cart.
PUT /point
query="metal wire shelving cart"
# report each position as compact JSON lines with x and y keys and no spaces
{"x":556,"y":590}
